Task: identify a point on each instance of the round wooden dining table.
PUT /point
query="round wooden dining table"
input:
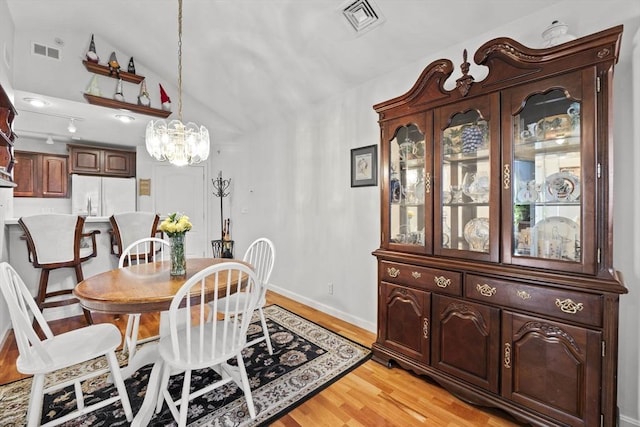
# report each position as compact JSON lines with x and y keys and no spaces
{"x":142,"y":288}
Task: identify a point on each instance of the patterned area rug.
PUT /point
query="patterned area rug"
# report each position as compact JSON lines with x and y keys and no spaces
{"x":306,"y":359}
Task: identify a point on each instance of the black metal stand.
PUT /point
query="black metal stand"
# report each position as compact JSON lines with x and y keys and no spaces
{"x":222,"y":248}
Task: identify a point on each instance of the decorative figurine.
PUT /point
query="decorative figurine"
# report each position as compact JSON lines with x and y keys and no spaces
{"x":165,"y":101}
{"x":114,"y":66}
{"x":119,"y":96}
{"x":556,"y":33}
{"x":93,"y":88}
{"x":143,"y":97}
{"x":92,"y":56}
{"x":131,"y":68}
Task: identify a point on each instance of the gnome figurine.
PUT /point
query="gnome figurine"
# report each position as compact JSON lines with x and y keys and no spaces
{"x":114,"y":66}
{"x":131,"y":68}
{"x":93,"y":88}
{"x":143,"y":97}
{"x":165,"y":101}
{"x":119,"y":96}
{"x":92,"y":56}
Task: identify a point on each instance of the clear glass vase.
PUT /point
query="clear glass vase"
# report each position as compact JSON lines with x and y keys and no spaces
{"x":178,"y":261}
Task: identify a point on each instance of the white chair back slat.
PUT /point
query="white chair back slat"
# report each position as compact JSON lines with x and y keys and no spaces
{"x":145,"y":250}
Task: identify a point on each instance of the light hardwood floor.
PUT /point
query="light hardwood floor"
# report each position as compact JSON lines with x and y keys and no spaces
{"x":371,"y":395}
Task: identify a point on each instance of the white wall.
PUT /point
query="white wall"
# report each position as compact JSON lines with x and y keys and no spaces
{"x":297,"y":189}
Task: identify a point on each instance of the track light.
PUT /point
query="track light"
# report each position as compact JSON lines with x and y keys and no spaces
{"x":72,"y":126}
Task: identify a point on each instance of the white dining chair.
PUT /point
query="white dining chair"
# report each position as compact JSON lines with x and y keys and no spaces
{"x":261,"y":254}
{"x":40,"y":357}
{"x":148,"y":249}
{"x":194,"y":343}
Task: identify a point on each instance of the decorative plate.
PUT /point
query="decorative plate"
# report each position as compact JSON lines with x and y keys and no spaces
{"x":556,"y":237}
{"x":476,"y":233}
{"x":563,"y":187}
{"x":552,"y":127}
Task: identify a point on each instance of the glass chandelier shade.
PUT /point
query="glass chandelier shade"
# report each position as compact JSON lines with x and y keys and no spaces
{"x":175,"y":142}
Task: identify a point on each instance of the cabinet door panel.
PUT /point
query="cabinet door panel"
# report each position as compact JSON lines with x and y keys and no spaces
{"x":467,"y":179}
{"x":25,"y":175}
{"x":552,"y":368}
{"x":55,"y":179}
{"x":548,"y":209}
{"x":466,"y":341}
{"x":404,"y":314}
{"x":85,"y":160}
{"x":118,"y":163}
{"x":406,"y":149}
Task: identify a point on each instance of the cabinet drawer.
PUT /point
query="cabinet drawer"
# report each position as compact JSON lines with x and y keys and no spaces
{"x":443,"y":281}
{"x":575,"y":306}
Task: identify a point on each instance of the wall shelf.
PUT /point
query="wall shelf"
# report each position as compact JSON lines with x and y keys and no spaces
{"x":112,"y":103}
{"x":103,"y":70}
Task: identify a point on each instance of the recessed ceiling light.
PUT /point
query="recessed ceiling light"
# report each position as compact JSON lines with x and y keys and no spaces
{"x":124,"y":118}
{"x":36,"y":102}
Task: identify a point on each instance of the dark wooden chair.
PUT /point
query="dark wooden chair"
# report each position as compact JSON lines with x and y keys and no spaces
{"x":129,"y":227}
{"x":58,"y":241}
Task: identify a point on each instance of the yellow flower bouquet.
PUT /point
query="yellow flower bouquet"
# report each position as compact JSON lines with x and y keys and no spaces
{"x":175,"y":223}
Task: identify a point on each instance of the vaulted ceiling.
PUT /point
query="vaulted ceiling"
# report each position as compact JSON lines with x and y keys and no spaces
{"x":246,"y":62}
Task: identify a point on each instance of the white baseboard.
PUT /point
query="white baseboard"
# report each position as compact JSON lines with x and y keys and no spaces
{"x":371,"y":327}
{"x":628,"y":422}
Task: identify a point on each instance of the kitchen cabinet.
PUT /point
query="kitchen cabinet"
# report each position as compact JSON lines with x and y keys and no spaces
{"x":7,"y":138}
{"x":40,"y":175}
{"x":495,"y":266}
{"x":90,"y":160}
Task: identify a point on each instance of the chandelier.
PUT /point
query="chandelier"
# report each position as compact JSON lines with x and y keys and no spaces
{"x":178,"y":143}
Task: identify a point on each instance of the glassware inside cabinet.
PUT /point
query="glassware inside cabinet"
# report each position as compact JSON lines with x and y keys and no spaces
{"x":547,"y":178}
{"x":407,"y":186}
{"x":466,"y":183}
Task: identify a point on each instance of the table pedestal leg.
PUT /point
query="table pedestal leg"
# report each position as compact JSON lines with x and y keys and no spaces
{"x":144,"y":415}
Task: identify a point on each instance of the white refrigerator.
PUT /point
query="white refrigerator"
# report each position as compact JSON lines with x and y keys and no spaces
{"x":102,"y":196}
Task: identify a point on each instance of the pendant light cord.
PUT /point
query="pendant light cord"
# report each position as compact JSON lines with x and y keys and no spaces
{"x":180,"y":60}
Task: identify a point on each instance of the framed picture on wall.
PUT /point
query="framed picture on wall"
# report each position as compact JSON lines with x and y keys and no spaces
{"x":364,"y":166}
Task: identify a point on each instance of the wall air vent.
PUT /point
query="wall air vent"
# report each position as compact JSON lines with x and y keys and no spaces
{"x":363,"y":15}
{"x":44,"y":50}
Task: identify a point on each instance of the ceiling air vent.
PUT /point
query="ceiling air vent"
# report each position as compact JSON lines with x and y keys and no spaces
{"x":362,"y":15}
{"x":44,"y":50}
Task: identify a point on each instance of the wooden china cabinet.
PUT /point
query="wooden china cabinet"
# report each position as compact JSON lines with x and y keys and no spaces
{"x":495,"y":266}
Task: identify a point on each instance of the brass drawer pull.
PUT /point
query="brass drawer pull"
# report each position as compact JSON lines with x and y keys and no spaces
{"x":393,"y":272}
{"x":441,"y":281}
{"x":425,"y":328}
{"x":523,"y":294}
{"x":507,"y":355}
{"x":485,"y":290}
{"x":416,"y":274}
{"x":569,"y":306}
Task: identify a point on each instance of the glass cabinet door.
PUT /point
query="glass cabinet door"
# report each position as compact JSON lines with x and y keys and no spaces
{"x":547,"y":195}
{"x":466,"y":212}
{"x":409,"y":187}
